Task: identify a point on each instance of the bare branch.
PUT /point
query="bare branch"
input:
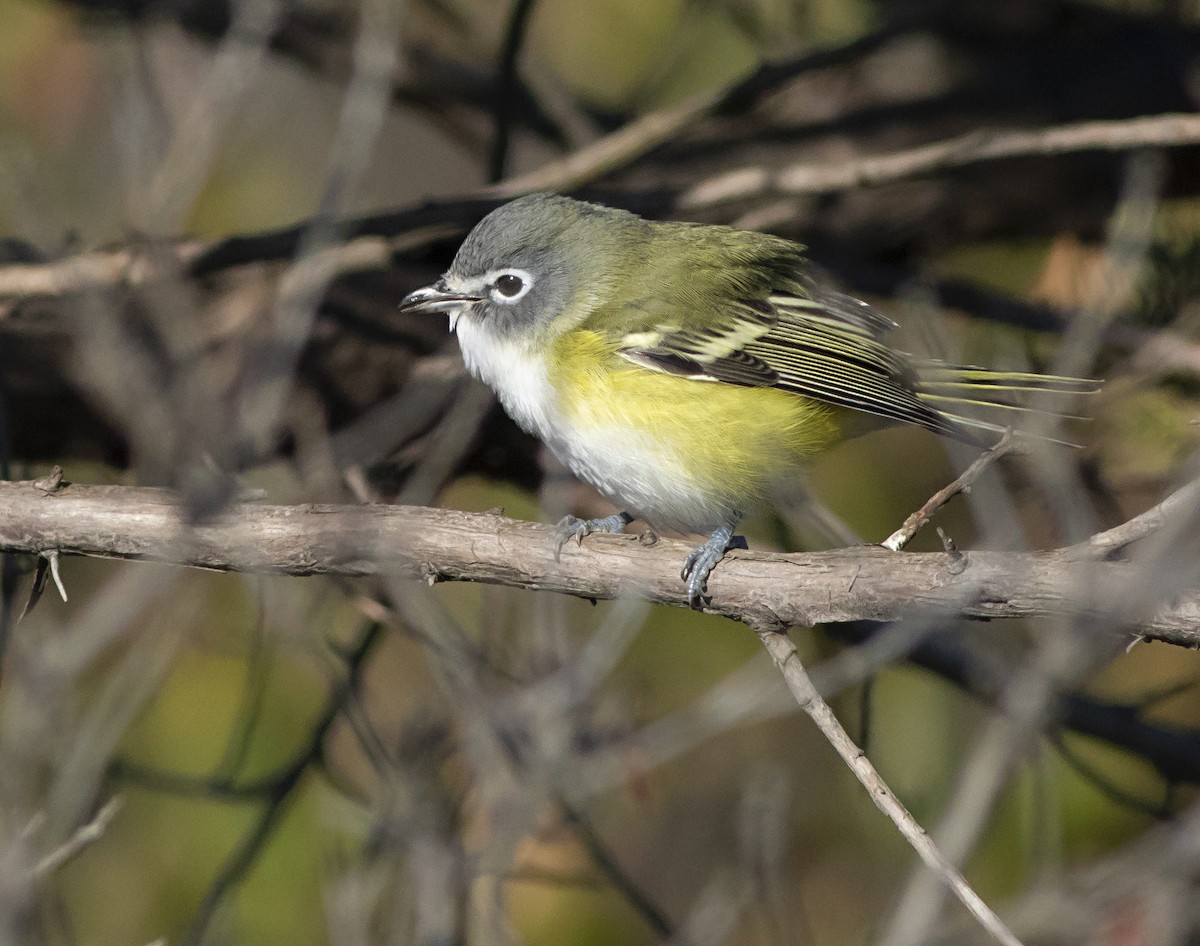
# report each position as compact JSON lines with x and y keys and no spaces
{"x":900,"y":538}
{"x":514,"y":38}
{"x":1153,"y":131}
{"x":100,"y":270}
{"x":613,"y":151}
{"x":86,"y":835}
{"x":783,"y":651}
{"x":760,"y":589}
{"x":1182,"y":504}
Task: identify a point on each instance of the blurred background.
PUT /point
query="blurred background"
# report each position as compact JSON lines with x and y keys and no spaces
{"x":208,"y":215}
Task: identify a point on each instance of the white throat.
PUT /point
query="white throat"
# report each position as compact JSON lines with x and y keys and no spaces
{"x":513,"y":371}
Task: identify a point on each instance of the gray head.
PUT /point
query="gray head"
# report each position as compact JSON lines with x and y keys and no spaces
{"x":527,"y":262}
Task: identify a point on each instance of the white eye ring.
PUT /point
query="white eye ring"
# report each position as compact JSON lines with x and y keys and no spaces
{"x":506,"y":286}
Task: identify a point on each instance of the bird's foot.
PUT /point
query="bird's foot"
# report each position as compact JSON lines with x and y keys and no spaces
{"x":571,"y":527}
{"x":701,"y":561}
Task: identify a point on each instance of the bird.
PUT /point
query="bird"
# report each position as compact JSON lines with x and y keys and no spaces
{"x":687,"y":371}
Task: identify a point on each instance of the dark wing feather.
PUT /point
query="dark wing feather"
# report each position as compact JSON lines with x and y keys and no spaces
{"x":739,"y":367}
{"x":825,"y":347}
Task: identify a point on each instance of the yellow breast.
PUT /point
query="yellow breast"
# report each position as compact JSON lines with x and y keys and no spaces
{"x":714,"y":447}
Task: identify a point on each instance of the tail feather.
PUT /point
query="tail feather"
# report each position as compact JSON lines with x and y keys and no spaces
{"x":1008,"y":384}
{"x":1000,"y":405}
{"x":967,"y":425}
{"x":949,"y":389}
{"x":941,"y":374}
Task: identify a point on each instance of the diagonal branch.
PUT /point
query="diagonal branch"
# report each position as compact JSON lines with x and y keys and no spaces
{"x":783,"y":651}
{"x":901,"y":537}
{"x":977,"y":147}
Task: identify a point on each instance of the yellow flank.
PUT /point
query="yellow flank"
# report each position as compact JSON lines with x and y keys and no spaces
{"x":735,"y":441}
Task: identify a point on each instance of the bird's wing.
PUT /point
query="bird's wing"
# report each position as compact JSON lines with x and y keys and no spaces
{"x":820,"y":344}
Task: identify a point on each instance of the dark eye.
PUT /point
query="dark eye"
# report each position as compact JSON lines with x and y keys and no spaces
{"x":509,"y":285}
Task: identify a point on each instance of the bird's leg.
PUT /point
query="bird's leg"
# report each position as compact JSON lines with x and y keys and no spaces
{"x":701,"y":561}
{"x":570,"y":527}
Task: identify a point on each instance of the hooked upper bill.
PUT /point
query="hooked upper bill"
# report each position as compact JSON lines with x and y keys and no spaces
{"x":436,"y":298}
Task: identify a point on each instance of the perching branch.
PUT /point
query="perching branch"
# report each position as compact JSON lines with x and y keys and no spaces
{"x":760,"y":589}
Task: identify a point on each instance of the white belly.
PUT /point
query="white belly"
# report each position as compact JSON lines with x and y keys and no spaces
{"x":638,"y":471}
{"x":642,"y":475}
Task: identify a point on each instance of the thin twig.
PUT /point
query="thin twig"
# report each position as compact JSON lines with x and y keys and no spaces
{"x":1060,"y":658}
{"x":611,"y":152}
{"x":784,"y":653}
{"x":246,"y":853}
{"x":614,"y":873}
{"x":52,"y":556}
{"x":506,"y":86}
{"x":126,"y":267}
{"x":900,"y":538}
{"x":1150,"y":131}
{"x":240,"y":58}
{"x":1092,"y":775}
{"x":243,"y":858}
{"x":83,"y":837}
{"x":36,"y":587}
{"x":254,"y":692}
{"x":1183,"y":503}
{"x":1173,"y":751}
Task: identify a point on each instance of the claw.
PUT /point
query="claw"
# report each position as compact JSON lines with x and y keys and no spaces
{"x":571,"y":527}
{"x":702,"y":560}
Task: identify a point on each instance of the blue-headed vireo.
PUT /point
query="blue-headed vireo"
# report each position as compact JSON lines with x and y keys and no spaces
{"x":686,"y":371}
